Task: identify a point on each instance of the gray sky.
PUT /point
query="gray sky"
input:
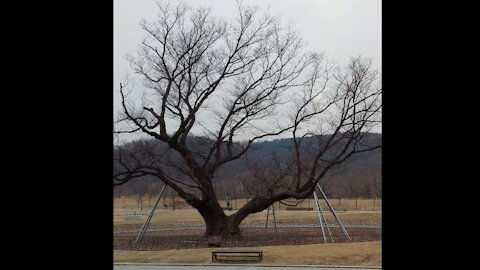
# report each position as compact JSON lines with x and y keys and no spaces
{"x":339,"y":28}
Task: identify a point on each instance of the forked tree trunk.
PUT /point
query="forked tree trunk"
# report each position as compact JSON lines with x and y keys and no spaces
{"x":226,"y":226}
{"x":216,"y":222}
{"x":219,"y":224}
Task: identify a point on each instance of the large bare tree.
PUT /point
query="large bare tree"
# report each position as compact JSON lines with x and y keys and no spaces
{"x":235,"y":83}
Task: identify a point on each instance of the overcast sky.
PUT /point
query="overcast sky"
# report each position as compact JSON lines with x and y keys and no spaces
{"x":339,"y":28}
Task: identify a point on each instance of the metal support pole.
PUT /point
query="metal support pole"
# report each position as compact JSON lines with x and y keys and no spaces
{"x":274,"y":219}
{"x":145,"y":225}
{"x":266,"y":223}
{"x":334,"y":214}
{"x":325,"y":221}
{"x":319,"y":216}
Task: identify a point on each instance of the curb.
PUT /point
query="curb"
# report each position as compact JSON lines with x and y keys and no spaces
{"x":256,"y":265}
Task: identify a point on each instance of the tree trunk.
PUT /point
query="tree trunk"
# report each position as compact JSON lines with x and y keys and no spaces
{"x":217,"y":223}
{"x":226,"y":226}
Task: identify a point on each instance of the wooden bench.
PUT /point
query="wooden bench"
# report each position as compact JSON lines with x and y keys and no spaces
{"x":237,"y":256}
{"x":299,"y":208}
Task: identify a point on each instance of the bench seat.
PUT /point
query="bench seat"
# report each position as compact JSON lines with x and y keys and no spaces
{"x":237,"y":255}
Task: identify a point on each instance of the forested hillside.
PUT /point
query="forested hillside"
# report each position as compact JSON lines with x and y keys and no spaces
{"x":359,"y":176}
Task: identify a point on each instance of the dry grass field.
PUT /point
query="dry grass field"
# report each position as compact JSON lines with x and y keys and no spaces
{"x":183,"y":216}
{"x":184,"y":213}
{"x":360,"y":254}
{"x":129,"y":204}
{"x":357,"y":253}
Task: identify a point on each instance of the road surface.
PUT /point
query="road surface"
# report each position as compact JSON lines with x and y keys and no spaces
{"x":230,"y":267}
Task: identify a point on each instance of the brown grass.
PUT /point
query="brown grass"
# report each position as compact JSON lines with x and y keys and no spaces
{"x":129,"y":204}
{"x":180,"y":216}
{"x":361,"y":254}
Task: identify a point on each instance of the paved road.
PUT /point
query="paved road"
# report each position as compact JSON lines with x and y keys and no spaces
{"x":228,"y":267}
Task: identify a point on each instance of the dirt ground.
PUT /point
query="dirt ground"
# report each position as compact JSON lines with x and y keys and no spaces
{"x":193,"y":238}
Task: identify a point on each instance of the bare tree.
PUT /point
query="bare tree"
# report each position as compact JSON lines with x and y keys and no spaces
{"x":140,"y":189}
{"x":267,"y":177}
{"x":374,"y":185}
{"x":352,"y":181}
{"x":248,"y":77}
{"x":327,"y":184}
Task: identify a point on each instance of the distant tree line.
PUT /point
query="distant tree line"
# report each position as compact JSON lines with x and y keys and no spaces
{"x":359,"y":177}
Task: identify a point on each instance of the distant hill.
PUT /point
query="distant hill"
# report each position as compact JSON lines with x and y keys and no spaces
{"x":263,"y":151}
{"x":353,"y":176}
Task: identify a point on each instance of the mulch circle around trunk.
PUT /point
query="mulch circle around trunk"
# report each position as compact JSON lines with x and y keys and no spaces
{"x":251,"y":237}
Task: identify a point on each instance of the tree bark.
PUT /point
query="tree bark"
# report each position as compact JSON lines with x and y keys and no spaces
{"x":217,"y":223}
{"x":226,"y":226}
